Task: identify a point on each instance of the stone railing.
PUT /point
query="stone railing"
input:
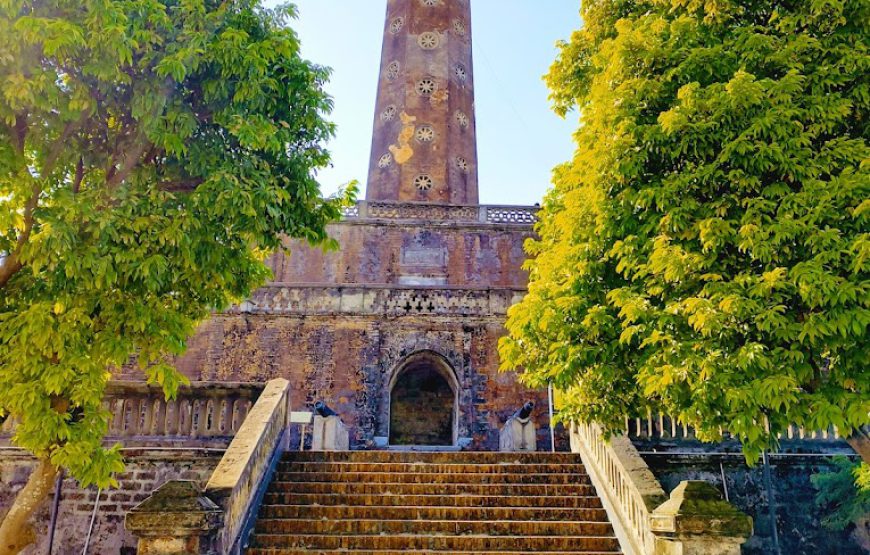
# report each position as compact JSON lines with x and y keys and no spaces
{"x":625,"y":483}
{"x":181,"y":518}
{"x":238,"y":483}
{"x":660,"y":426}
{"x":202,"y":414}
{"x":485,"y":214}
{"x":380,"y":300}
{"x":694,"y":520}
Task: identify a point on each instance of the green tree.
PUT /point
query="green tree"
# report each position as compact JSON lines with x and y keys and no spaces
{"x":706,"y":251}
{"x":152,"y":152}
{"x":845,"y":503}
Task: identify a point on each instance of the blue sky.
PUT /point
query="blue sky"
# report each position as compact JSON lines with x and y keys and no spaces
{"x":519,"y":139}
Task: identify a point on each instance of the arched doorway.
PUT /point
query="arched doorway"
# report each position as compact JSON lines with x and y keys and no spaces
{"x":423,"y":405}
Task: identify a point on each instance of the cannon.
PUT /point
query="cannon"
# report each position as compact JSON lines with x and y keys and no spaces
{"x":525,"y":411}
{"x":321,"y":409}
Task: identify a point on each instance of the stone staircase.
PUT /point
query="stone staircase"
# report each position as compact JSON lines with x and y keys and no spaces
{"x":385,"y":503}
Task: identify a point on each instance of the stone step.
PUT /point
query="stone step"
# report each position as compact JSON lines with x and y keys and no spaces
{"x":437,"y":467}
{"x":473,"y":543}
{"x":433,"y":527}
{"x":432,"y":477}
{"x":362,"y":488}
{"x":293,"y":550}
{"x":386,"y":503}
{"x":389,"y":500}
{"x":458,"y":457}
{"x":550,"y":514}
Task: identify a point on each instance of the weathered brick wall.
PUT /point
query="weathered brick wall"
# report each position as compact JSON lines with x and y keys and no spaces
{"x":349,"y":360}
{"x":380,"y":252}
{"x":146,"y":470}
{"x":339,"y":325}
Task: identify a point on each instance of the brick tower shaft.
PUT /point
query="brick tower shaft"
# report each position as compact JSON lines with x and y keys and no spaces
{"x":424,"y":147}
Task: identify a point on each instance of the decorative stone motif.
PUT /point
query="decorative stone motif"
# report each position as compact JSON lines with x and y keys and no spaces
{"x":425,"y":134}
{"x":393,"y":71}
{"x":459,"y":27}
{"x":399,"y":301}
{"x":461,"y":119}
{"x":432,"y":212}
{"x":460,"y":72}
{"x":389,"y":113}
{"x":385,"y":161}
{"x":423,"y":182}
{"x":511,"y":215}
{"x":428,"y":41}
{"x":462,"y":164}
{"x":426,"y":86}
{"x":396,"y":25}
{"x":429,"y":3}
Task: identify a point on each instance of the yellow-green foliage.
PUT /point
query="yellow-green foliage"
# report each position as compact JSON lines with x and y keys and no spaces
{"x":706,"y":251}
{"x":151,"y":152}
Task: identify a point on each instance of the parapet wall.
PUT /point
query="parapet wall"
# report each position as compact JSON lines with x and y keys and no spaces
{"x":146,"y":470}
{"x":798,"y":519}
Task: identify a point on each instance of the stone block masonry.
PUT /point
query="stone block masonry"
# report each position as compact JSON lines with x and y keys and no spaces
{"x":340,"y":326}
{"x":146,"y":470}
{"x":798,"y":519}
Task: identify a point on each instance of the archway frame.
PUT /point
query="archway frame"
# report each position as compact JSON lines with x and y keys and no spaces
{"x":443,"y":368}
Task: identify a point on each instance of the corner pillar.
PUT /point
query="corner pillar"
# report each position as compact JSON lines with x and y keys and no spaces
{"x":176,"y":520}
{"x":697,"y":521}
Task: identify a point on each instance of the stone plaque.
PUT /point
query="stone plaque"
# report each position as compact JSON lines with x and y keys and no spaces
{"x":429,"y":257}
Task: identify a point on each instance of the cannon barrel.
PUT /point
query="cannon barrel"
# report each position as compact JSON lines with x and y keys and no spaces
{"x":323,"y":410}
{"x":525,"y":411}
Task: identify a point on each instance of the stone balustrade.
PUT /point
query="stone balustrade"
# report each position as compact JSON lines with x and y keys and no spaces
{"x":201,"y":412}
{"x":660,"y":426}
{"x":217,"y":519}
{"x":201,"y":415}
{"x":483,"y":214}
{"x":624,"y":482}
{"x":693,"y":521}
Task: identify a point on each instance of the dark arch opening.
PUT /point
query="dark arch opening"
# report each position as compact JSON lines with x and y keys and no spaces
{"x":422,"y":405}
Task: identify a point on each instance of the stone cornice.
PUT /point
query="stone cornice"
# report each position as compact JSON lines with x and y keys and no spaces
{"x":382,"y":300}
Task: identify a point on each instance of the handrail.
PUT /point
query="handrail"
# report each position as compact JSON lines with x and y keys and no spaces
{"x":662,"y":426}
{"x":627,"y":487}
{"x":201,"y":413}
{"x":237,"y":483}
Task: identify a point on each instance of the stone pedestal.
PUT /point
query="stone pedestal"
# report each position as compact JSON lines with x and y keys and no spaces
{"x":176,"y":520}
{"x":330,"y":434}
{"x":518,"y":434}
{"x":697,"y":521}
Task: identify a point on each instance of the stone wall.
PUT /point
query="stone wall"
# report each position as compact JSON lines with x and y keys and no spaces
{"x":339,"y":325}
{"x":798,"y":519}
{"x":377,"y":251}
{"x":349,"y":362}
{"x":146,"y":470}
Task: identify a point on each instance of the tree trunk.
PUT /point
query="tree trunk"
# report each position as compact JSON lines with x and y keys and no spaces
{"x":860,"y":442}
{"x":16,"y":530}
